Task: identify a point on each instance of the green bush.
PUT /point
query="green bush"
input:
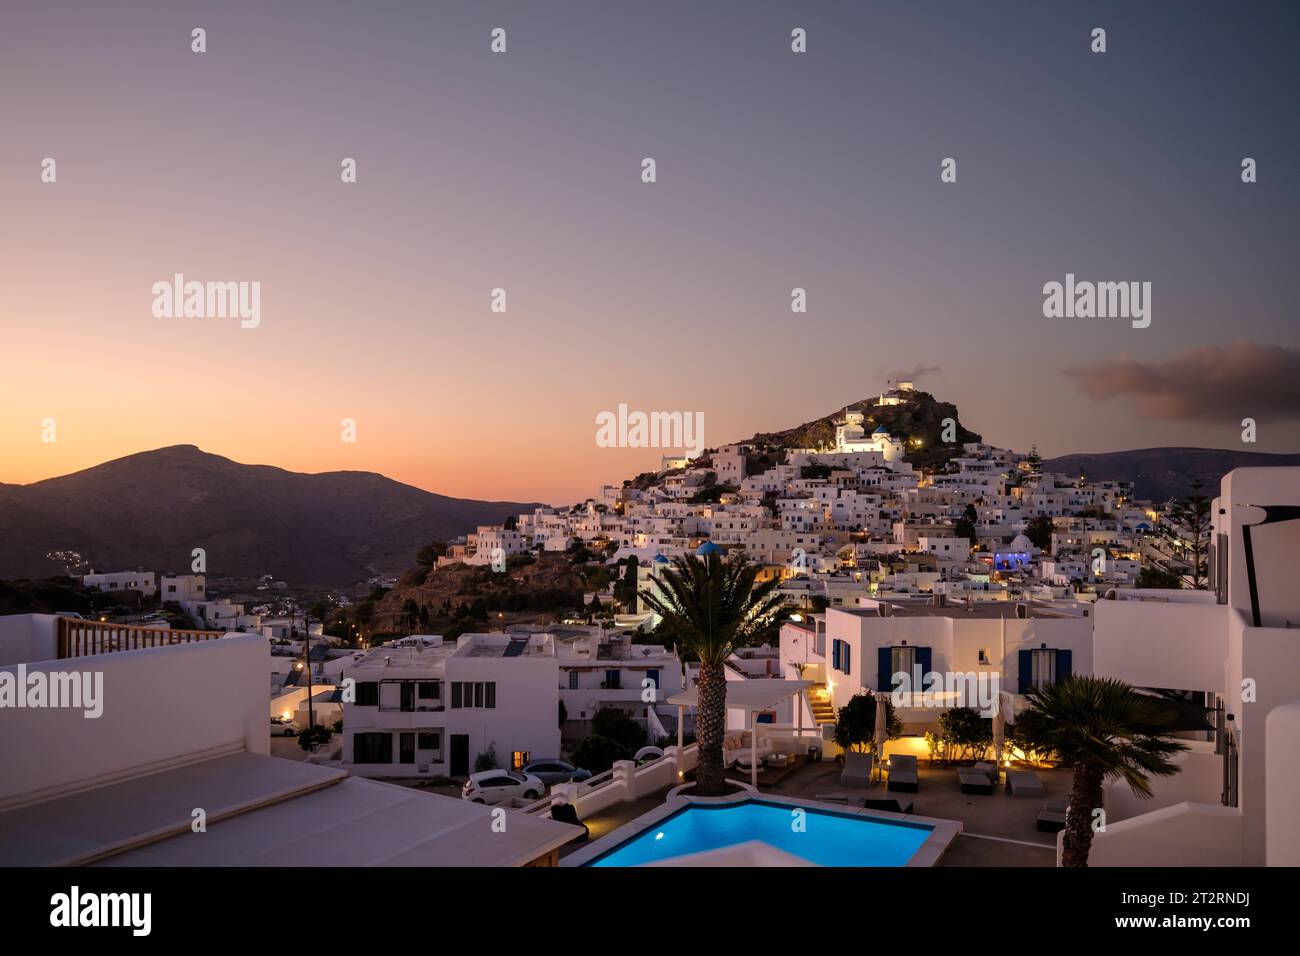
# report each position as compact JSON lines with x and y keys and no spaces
{"x":855,"y":725}
{"x":597,"y":753}
{"x":616,"y":725}
{"x":314,"y":735}
{"x":964,"y":729}
{"x":487,"y":760}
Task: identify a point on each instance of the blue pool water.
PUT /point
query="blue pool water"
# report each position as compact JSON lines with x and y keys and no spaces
{"x":830,"y":839}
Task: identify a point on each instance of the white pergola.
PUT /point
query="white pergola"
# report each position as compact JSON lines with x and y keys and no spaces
{"x":752,"y":696}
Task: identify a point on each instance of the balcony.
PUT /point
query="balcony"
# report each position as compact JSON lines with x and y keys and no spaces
{"x":77,"y":638}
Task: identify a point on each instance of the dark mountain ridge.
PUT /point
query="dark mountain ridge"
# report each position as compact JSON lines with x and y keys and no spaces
{"x":150,"y":510}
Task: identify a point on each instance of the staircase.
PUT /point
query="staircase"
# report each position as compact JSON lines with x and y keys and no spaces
{"x":819,"y":700}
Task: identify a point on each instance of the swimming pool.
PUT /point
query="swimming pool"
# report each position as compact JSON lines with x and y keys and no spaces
{"x":823,"y":837}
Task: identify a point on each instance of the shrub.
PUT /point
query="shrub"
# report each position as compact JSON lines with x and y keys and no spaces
{"x":616,"y":725}
{"x":597,"y":753}
{"x":314,"y":735}
{"x":855,"y":725}
{"x":964,"y":728}
{"x":487,"y":760}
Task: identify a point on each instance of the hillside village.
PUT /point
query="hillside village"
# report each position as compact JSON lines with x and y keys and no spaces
{"x":878,"y":507}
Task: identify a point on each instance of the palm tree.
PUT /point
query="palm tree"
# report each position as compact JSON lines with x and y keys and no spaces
{"x":1102,"y":728}
{"x":710,"y":607}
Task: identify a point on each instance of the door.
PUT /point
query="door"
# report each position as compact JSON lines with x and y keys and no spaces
{"x":460,"y":755}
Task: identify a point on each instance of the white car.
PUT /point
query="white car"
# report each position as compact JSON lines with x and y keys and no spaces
{"x":495,"y":786}
{"x":284,"y":727}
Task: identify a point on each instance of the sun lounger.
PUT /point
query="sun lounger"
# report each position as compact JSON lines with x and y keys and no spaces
{"x":1024,"y":783}
{"x":975,"y":781}
{"x":893,"y":806}
{"x":990,"y":768}
{"x":902,"y":773}
{"x":1052,"y":817}
{"x":857,"y":770}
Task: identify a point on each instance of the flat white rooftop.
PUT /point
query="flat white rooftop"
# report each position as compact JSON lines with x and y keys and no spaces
{"x":361,"y":822}
{"x":84,"y":826}
{"x":266,"y":811}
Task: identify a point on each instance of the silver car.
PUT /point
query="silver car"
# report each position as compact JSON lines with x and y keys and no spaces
{"x":556,"y":771}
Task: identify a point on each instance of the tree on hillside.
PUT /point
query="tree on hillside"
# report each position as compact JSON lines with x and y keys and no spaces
{"x":1183,"y":540}
{"x":1039,"y":531}
{"x":965,"y":526}
{"x":625,"y":586}
{"x":430,"y":553}
{"x":1153,"y":577}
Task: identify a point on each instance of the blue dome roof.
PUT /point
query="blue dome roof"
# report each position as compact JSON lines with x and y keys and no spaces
{"x":660,"y":559}
{"x":881,"y":430}
{"x":708,"y":547}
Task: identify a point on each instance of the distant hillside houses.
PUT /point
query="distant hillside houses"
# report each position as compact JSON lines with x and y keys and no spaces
{"x":857,"y":523}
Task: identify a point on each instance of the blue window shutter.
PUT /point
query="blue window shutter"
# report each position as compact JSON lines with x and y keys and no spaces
{"x":835,"y":654}
{"x":923,"y":660}
{"x":1026,"y":670}
{"x":848,"y":659}
{"x":1064,"y":664}
{"x":884,"y":675}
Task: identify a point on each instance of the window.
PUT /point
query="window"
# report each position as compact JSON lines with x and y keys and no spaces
{"x":428,"y":740}
{"x":429,"y":690}
{"x":1042,"y":668}
{"x":613,"y":680}
{"x":902,"y":660}
{"x":368,"y":694}
{"x":372,"y":748}
{"x":984,"y":655}
{"x":407,"y":748}
{"x":481,"y":694}
{"x":841,"y":655}
{"x":408,"y":695}
{"x":653,"y":677}
{"x":519,"y":758}
{"x":573,"y":680}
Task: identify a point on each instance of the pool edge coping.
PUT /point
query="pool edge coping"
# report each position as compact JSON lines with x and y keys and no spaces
{"x":942,"y":832}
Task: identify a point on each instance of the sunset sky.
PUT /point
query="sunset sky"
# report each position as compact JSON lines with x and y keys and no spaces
{"x":522,"y":171}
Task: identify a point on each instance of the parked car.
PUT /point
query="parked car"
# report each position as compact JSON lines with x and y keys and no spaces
{"x":284,"y":727}
{"x":556,"y":771}
{"x":496,"y":786}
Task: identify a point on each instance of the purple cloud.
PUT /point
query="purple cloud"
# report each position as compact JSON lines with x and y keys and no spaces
{"x":1215,"y":383}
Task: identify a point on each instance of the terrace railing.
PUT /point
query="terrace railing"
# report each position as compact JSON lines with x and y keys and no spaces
{"x":77,"y":638}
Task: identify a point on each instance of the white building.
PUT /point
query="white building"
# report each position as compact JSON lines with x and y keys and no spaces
{"x":183,"y":587}
{"x":427,"y":707}
{"x":145,"y":582}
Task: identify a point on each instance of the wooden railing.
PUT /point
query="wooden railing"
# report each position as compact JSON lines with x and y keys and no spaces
{"x":79,"y":638}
